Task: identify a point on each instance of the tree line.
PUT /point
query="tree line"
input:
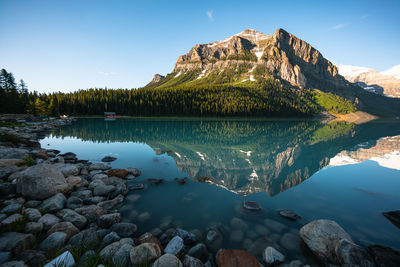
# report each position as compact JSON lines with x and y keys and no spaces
{"x":264,"y":98}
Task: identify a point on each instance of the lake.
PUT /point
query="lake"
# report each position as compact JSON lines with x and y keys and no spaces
{"x":339,"y":171}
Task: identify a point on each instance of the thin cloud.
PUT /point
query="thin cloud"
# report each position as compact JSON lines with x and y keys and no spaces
{"x":107,"y":73}
{"x":210,"y":15}
{"x":339,"y":26}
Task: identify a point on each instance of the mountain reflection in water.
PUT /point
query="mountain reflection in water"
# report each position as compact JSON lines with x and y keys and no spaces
{"x":247,"y":156}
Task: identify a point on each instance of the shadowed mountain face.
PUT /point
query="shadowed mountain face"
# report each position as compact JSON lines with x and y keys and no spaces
{"x":241,"y":155}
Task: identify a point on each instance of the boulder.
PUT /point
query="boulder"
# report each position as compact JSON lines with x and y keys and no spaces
{"x":48,"y":220}
{"x":82,"y":194}
{"x":385,"y":256}
{"x":189,"y":261}
{"x":393,"y":217}
{"x":148,"y":238}
{"x":199,"y":251}
{"x":65,"y":259}
{"x":108,"y":159}
{"x":188,"y":238}
{"x":68,"y":169}
{"x":236,"y":258}
{"x":121,"y":173}
{"x":175,"y":246}
{"x":15,"y":242}
{"x":41,"y":181}
{"x":349,"y":254}
{"x":214,"y":240}
{"x":65,"y":227}
{"x":108,"y":220}
{"x":85,"y":238}
{"x":53,"y":204}
{"x":74,"y":202}
{"x":102,"y":190}
{"x":144,"y":253}
{"x":124,"y":229}
{"x":122,"y":256}
{"x":33,"y":214}
{"x":289,"y":214}
{"x":73,"y":217}
{"x":54,"y":241}
{"x":251,"y":205}
{"x":110,"y":238}
{"x":32,"y":203}
{"x":12,"y":208}
{"x":135,"y":172}
{"x":167,"y":260}
{"x":322,"y":237}
{"x":272,"y":257}
{"x":12,"y":219}
{"x":33,"y":227}
{"x":91,"y":212}
{"x":73,"y":180}
{"x":110,"y":204}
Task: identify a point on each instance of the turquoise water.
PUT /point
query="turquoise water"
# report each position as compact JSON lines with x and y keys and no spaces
{"x":301,"y":165}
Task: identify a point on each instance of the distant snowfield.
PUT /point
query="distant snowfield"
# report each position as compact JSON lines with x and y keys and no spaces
{"x":394,"y":71}
{"x":353,"y":71}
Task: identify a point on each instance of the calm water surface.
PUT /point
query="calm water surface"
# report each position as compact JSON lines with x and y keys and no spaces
{"x":344,"y":172}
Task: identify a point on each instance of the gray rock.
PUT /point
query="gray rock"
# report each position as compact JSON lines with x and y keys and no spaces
{"x":13,"y":153}
{"x":14,"y":264}
{"x":148,"y":238}
{"x":108,"y":220}
{"x":73,"y":180}
{"x":135,"y":172}
{"x":12,"y":208}
{"x":2,"y":216}
{"x":98,"y":166}
{"x":4,"y":256}
{"x":110,"y":238}
{"x":258,"y":246}
{"x":275,"y":226}
{"x":54,"y":241}
{"x":103,"y":232}
{"x":41,"y":181}
{"x":65,"y":227}
{"x":108,"y":159}
{"x":167,"y":260}
{"x":109,"y":251}
{"x":157,"y":232}
{"x":251,"y":205}
{"x":189,"y":261}
{"x":53,"y":204}
{"x":32,"y":203}
{"x":91,"y":212}
{"x":33,"y":257}
{"x":33,"y":214}
{"x":82,"y":194}
{"x":110,"y":204}
{"x":6,"y":171}
{"x":73,"y":217}
{"x":144,"y":253}
{"x":68,"y":169}
{"x":385,"y":256}
{"x":74,"y":202}
{"x":261,"y":230}
{"x":349,"y":254}
{"x":322,"y":237}
{"x":239,"y":224}
{"x":94,"y":200}
{"x":33,"y":227}
{"x":102,"y":189}
{"x":48,"y":220}
{"x":290,"y":242}
{"x":289,"y":214}
{"x":120,"y":189}
{"x":188,"y":238}
{"x":87,"y":255}
{"x":175,"y":246}
{"x":199,"y":251}
{"x":122,"y":256}
{"x":65,"y":259}
{"x":214,"y":240}
{"x":15,"y":242}
{"x":85,"y":238}
{"x":236,"y":236}
{"x":8,"y":188}
{"x":12,"y":219}
{"x":272,"y":257}
{"x":124,"y":229}
{"x":143,"y":217}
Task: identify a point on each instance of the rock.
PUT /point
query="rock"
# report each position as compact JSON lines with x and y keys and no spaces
{"x":54,"y":241}
{"x":148,"y":238}
{"x":199,"y":251}
{"x":33,"y":227}
{"x":175,"y":246}
{"x":41,"y":181}
{"x":110,"y":238}
{"x":236,"y":236}
{"x":144,"y":253}
{"x":239,"y":224}
{"x":167,"y":260}
{"x":14,"y":264}
{"x":98,"y":166}
{"x":12,"y":219}
{"x":7,"y":189}
{"x":124,"y":229}
{"x":32,"y":203}
{"x":73,"y":217}
{"x":108,"y":220}
{"x":164,"y":239}
{"x":189,"y":261}
{"x":385,"y":256}
{"x":91,"y":212}
{"x":85,"y":238}
{"x":94,"y":200}
{"x":257,"y":247}
{"x":65,"y":227}
{"x":12,"y":208}
{"x":251,"y":205}
{"x":6,"y":171}
{"x":10,"y":162}
{"x":48,"y":220}
{"x":65,"y":259}
{"x":291,"y":242}
{"x":393,"y":217}
{"x":4,"y":256}
{"x":15,"y":242}
{"x":33,"y":214}
{"x":288,"y":214}
{"x":11,"y":154}
{"x":261,"y":230}
{"x":69,"y":156}
{"x":122,"y":256}
{"x":272,"y":257}
{"x":349,"y":254}
{"x":87,"y":256}
{"x":156,"y":232}
{"x":74,"y":202}
{"x":275,"y":226}
{"x":53,"y":204}
{"x":136,"y":186}
{"x":322,"y":237}
{"x":235,"y":258}
{"x":188,"y":238}
{"x":120,"y":189}
{"x":82,"y":194}
{"x":103,"y":232}
{"x":110,"y":204}
{"x":108,"y":159}
{"x":73,"y":180}
{"x":214,"y":240}
{"x":102,"y":189}
{"x":118,"y":172}
{"x":135,"y":172}
{"x":68,"y":169}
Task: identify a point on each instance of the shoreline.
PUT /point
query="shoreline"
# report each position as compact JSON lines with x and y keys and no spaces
{"x":83,"y":191}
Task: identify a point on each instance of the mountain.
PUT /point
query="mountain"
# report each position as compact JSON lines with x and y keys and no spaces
{"x":278,"y":69}
{"x":383,"y":83}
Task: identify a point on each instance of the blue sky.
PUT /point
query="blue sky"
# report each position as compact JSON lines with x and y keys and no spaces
{"x":67,"y":45}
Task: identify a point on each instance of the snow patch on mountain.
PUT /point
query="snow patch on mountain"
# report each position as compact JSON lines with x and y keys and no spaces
{"x":394,"y":71}
{"x":352,"y":71}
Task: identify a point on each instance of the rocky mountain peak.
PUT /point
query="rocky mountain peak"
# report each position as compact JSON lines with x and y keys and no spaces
{"x":157,"y":78}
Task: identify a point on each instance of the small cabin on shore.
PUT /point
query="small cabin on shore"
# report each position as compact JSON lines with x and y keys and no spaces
{"x":110,"y":114}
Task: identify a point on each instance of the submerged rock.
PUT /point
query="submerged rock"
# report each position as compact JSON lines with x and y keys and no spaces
{"x":235,"y":257}
{"x":124,"y":229}
{"x":108,"y":159}
{"x":251,"y":205}
{"x":288,"y":214}
{"x":349,"y":254}
{"x":393,"y":217}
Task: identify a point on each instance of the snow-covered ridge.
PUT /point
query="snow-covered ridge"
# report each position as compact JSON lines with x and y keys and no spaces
{"x":394,"y":71}
{"x":249,"y":34}
{"x":352,"y":71}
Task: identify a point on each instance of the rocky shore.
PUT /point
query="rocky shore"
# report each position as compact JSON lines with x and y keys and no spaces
{"x":58,"y":210}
